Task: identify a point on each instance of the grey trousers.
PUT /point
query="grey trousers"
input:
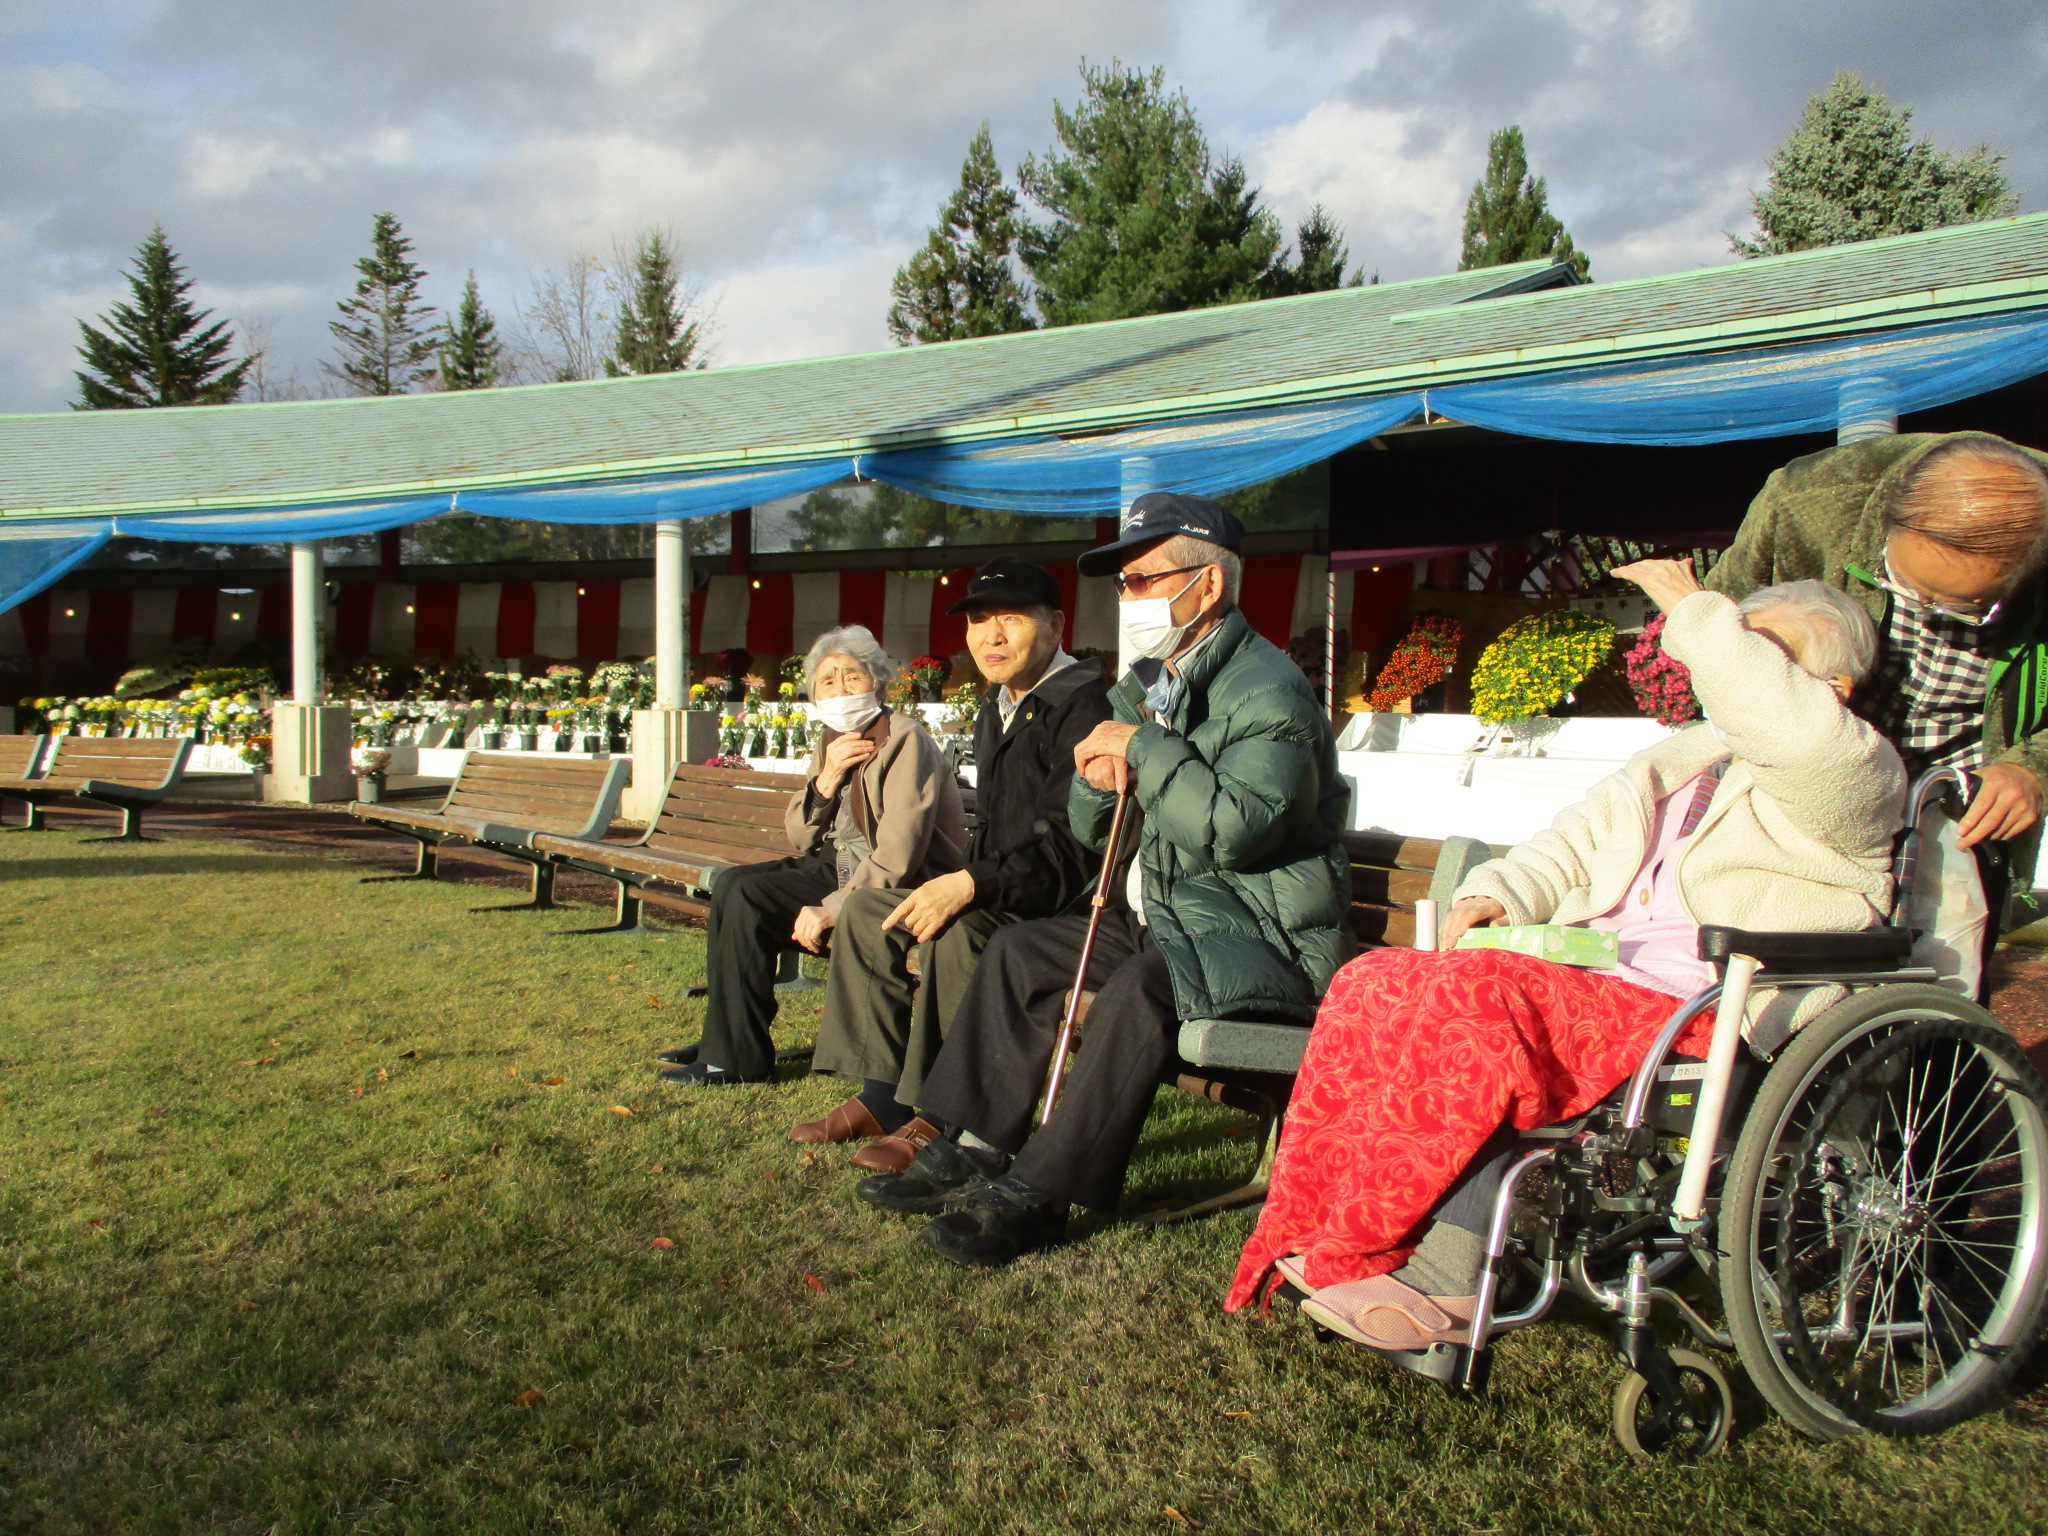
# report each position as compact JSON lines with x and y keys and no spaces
{"x":881,"y":1023}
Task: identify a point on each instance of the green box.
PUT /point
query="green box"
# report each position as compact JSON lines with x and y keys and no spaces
{"x":1565,"y":944}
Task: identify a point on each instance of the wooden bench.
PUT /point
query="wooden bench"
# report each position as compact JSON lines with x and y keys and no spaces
{"x":712,"y":820}
{"x":18,"y":757}
{"x":126,"y":776}
{"x":504,"y":801}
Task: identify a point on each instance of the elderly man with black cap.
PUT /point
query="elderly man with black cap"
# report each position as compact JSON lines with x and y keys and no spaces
{"x":1234,"y":903}
{"x":882,"y":1027}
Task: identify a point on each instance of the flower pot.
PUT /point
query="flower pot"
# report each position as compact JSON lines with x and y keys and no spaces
{"x":564,"y":740}
{"x":370,"y":789}
{"x":256,"y":778}
{"x":527,"y":741}
{"x":590,"y":741}
{"x":621,"y":742}
{"x":491,"y":740}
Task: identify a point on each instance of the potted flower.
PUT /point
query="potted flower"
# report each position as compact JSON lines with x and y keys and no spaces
{"x":929,"y":674}
{"x":369,"y":763}
{"x":1661,"y":682}
{"x":1421,"y":661}
{"x":256,"y":753}
{"x":1535,"y":665}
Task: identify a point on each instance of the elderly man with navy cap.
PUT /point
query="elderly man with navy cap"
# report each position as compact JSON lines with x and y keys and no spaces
{"x":882,"y":1027}
{"x":1233,"y":904}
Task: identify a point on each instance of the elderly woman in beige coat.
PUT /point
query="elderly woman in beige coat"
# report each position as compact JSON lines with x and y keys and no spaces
{"x":879,"y":807}
{"x":1777,"y":814}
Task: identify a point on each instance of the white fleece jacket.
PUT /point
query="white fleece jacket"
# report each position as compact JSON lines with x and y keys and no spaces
{"x":1798,"y":836}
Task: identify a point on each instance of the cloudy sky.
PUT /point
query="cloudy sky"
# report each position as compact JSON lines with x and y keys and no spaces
{"x":800,"y":147}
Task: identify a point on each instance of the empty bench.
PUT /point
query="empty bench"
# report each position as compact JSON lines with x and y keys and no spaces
{"x":502,"y":802}
{"x":712,"y":820}
{"x":18,"y":758}
{"x":122,"y":775}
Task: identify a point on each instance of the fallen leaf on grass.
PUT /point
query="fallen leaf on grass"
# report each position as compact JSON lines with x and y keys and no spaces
{"x":551,"y":1082}
{"x":1175,"y":1515}
{"x":620,"y":1109}
{"x":653,"y":1001}
{"x":525,"y":1399}
{"x":245,"y":1305}
{"x":815,"y":1284}
{"x":1242,"y":1413}
{"x":408,"y":1055}
{"x":839,"y":1365}
{"x":383,"y":1076}
{"x":357,"y":1092}
{"x":277,"y":1042}
{"x":657,"y":1168}
{"x":663,"y":1243}
{"x":511,"y":1071}
{"x":259,"y":1061}
{"x":97,"y":1222}
{"x":810,"y":1157}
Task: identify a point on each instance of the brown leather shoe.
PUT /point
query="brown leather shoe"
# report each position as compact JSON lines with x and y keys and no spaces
{"x":892,"y":1154}
{"x":849,"y":1122}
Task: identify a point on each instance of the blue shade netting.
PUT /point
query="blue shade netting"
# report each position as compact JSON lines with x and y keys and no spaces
{"x":1765,"y":392}
{"x":1059,"y":477}
{"x":34,"y":559}
{"x":653,"y":501}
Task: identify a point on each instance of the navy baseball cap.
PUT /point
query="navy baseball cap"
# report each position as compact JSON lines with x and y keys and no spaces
{"x":1161,"y":515}
{"x":1007,"y":582}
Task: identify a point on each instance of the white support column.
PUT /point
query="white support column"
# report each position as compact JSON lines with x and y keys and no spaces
{"x":670,"y":733}
{"x":309,"y":741}
{"x":1865,"y":408}
{"x":1139,"y":476}
{"x":306,"y":598}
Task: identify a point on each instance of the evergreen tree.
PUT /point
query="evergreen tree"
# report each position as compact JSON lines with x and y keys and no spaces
{"x":387,"y":341}
{"x":1508,"y":217}
{"x":656,"y":333}
{"x":1852,"y":170}
{"x":962,"y":284}
{"x":471,"y":353}
{"x":157,"y":349}
{"x":1319,"y":259}
{"x":1143,"y":219}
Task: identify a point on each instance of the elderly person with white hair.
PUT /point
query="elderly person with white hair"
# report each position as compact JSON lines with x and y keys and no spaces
{"x":880,"y":808}
{"x":1777,"y":814}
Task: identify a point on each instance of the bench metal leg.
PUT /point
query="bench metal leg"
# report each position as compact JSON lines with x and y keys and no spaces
{"x":541,"y":898}
{"x":1251,"y":1192}
{"x":789,"y":973}
{"x":627,"y":920}
{"x":131,"y":828}
{"x":429,"y":863}
{"x":35,"y":821}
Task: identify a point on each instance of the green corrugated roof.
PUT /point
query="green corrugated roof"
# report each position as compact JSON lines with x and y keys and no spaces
{"x":1356,"y":341}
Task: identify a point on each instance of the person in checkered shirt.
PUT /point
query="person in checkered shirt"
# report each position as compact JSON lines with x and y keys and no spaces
{"x":1943,"y":537}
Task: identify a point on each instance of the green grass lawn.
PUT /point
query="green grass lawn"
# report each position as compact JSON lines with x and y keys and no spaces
{"x":321,"y":1210}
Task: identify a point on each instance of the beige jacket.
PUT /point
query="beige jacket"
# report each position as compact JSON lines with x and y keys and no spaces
{"x":916,"y":826}
{"x":1798,"y":836}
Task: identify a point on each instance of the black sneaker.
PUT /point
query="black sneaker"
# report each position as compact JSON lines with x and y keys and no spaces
{"x":937,"y":1179}
{"x":1003,"y":1220}
{"x":699,"y":1074}
{"x":681,"y":1056}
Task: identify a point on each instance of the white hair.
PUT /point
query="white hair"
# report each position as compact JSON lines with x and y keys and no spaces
{"x":856,"y":642}
{"x":1836,"y":636}
{"x":1186,"y":549}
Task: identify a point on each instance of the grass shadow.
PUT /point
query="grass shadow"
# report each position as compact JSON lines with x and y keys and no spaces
{"x":171,"y":864}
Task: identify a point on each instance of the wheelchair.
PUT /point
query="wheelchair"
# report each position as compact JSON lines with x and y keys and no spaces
{"x":1860,"y":1220}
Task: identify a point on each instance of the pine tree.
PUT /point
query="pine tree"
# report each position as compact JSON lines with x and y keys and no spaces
{"x":387,"y":341}
{"x":656,"y":333}
{"x":1852,"y":170}
{"x":471,"y":353}
{"x":1508,"y":217}
{"x":962,"y":283}
{"x":1319,"y":261}
{"x":1143,"y":219}
{"x":157,"y":349}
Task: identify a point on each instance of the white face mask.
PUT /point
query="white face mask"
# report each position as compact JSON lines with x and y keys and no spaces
{"x":850,"y":711}
{"x":1147,"y":624}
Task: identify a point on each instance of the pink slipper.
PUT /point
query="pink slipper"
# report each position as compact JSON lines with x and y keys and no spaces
{"x":1294,"y":1269}
{"x":1385,"y":1313}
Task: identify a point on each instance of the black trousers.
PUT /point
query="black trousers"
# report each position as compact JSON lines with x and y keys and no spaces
{"x":753,"y":910}
{"x":989,"y":1076}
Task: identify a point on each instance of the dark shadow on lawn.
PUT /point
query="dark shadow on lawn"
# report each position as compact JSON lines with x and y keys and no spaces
{"x":123,"y":864}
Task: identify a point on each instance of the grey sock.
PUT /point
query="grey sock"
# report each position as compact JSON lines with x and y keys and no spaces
{"x":1445,"y":1263}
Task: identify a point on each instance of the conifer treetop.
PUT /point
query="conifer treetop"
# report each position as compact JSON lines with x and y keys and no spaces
{"x":157,"y":349}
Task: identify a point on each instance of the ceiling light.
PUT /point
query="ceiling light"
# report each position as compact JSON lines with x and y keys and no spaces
{"x":757,"y":586}
{"x":408,"y":607}
{"x":70,"y":613}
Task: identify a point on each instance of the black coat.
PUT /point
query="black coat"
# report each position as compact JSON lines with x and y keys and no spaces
{"x":1023,"y":856}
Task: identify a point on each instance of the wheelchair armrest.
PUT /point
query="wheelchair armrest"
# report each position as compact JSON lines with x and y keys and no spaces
{"x":1872,"y":949}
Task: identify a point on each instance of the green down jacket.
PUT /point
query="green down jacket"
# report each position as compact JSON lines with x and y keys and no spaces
{"x":1247,"y":885}
{"x":1825,"y":512}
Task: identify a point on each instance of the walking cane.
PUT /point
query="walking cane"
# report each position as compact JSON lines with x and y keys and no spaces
{"x":1058,"y":1073}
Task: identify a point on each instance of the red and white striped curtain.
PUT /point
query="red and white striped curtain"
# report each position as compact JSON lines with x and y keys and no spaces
{"x":770,"y":614}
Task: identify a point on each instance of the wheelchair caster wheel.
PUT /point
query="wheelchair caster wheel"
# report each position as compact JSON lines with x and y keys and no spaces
{"x":1690,"y":1429}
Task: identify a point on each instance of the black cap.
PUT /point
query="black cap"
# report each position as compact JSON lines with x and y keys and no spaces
{"x":1007,"y":582}
{"x":1161,"y":515}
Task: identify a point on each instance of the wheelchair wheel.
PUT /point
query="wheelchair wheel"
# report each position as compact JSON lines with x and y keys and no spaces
{"x":1688,"y":1430}
{"x":1884,"y":1220}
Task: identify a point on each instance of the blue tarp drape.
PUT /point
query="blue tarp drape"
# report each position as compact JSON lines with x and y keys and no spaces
{"x":1764,"y":392}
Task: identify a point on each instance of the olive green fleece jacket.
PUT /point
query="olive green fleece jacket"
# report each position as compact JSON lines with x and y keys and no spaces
{"x":1825,"y":512}
{"x":1247,"y":884}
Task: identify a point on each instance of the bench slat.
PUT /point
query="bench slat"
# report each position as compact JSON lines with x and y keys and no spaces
{"x":1392,"y":852}
{"x":1389,"y":887}
{"x":555,"y":775}
{"x":783,"y":781}
{"x":502,"y":792}
{"x":768,"y":815}
{"x":725,"y":842}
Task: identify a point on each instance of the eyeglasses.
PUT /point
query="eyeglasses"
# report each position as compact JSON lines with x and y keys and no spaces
{"x":1975,"y":615}
{"x":1138,"y":586}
